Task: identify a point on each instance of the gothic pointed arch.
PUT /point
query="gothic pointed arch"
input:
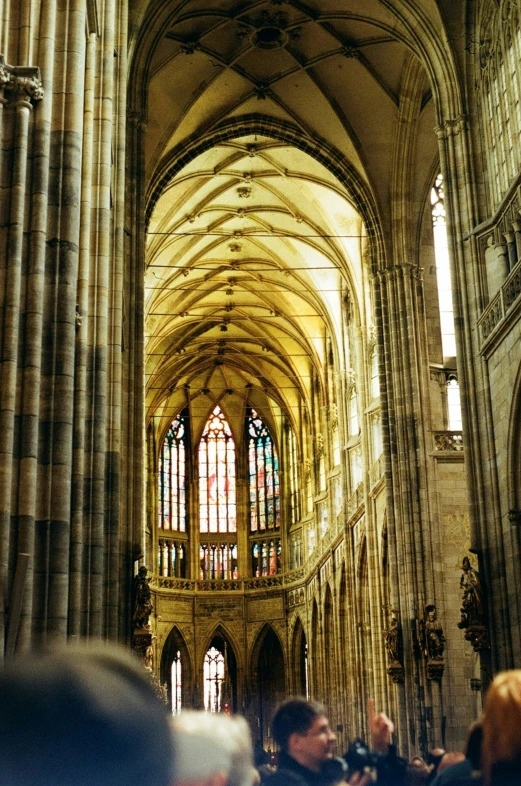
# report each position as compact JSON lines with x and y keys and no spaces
{"x":329,"y":649}
{"x":219,"y":672}
{"x":363,"y":617}
{"x":268,"y":684}
{"x":176,"y":670}
{"x":299,"y":659}
{"x":314,"y":661}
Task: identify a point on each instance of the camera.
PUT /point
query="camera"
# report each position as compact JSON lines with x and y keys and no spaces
{"x":386,"y":769}
{"x":360,"y":759}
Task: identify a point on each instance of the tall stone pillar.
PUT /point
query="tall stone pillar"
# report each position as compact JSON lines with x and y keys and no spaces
{"x":488,"y":539}
{"x":20,"y":87}
{"x":404,"y":413}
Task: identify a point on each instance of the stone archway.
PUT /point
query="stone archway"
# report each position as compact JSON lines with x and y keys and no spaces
{"x":175,"y":648}
{"x":269,"y":668}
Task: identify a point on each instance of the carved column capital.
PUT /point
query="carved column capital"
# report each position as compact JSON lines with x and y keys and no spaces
{"x":20,"y":83}
{"x":451,"y":127}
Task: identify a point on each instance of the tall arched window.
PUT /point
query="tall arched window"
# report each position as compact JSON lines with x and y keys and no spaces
{"x":499,"y":93}
{"x":293,"y":476}
{"x":453,"y":404}
{"x":176,"y":684}
{"x":263,"y":470}
{"x":172,"y":478}
{"x":213,"y":679}
{"x":375,"y":377}
{"x":220,"y":677}
{"x":353,"y":413}
{"x":264,"y":476}
{"x":443,"y":278}
{"x":217,"y":498}
{"x":172,"y":543}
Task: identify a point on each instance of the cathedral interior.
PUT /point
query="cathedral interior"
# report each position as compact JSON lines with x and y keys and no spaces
{"x":261,"y":298}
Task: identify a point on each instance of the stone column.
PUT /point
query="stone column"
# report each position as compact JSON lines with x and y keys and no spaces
{"x":60,"y":315}
{"x":398,"y":296}
{"x":21,"y":85}
{"x":77,"y":601}
{"x":469,"y":300}
{"x":115,"y":313}
{"x":33,"y":324}
{"x":133,"y":415}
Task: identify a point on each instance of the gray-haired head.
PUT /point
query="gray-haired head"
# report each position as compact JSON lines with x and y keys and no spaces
{"x":208,"y":745}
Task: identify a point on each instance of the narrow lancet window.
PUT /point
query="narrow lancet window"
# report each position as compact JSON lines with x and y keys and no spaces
{"x":214,"y":669}
{"x":176,"y":675}
{"x":454,"y":404}
{"x":217,"y":497}
{"x":172,"y":480}
{"x":264,"y":476}
{"x":441,"y":251}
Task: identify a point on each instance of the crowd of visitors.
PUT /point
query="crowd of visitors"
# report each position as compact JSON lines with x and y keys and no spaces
{"x":90,"y":717}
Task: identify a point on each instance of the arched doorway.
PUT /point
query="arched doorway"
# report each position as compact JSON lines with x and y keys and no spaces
{"x":219,"y":675}
{"x":329,"y":647}
{"x":271,"y":682}
{"x":176,"y":671}
{"x":300,"y":660}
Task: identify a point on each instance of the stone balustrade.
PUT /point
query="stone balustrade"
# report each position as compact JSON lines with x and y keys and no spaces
{"x":448,"y":440}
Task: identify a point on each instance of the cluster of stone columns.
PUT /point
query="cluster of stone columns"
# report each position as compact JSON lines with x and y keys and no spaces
{"x":62,"y":131}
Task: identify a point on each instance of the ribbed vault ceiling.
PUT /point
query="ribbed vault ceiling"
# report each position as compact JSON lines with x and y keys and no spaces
{"x":252,"y":243}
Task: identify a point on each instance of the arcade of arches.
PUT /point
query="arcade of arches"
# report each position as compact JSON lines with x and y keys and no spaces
{"x":261,"y":299}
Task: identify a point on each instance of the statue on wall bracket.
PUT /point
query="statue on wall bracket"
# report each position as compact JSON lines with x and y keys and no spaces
{"x":473,"y":608}
{"x":432,"y":642}
{"x":141,"y":632}
{"x":391,"y":638}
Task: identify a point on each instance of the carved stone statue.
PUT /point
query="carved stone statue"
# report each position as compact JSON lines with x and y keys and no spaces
{"x":391,"y":638}
{"x":142,"y":601}
{"x":472,"y":601}
{"x":434,"y":638}
{"x":432,"y":642}
{"x":472,"y":608}
{"x":149,"y":658}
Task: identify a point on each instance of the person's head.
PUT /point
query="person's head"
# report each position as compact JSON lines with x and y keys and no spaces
{"x":82,"y":715}
{"x":473,"y":744}
{"x":212,"y":750}
{"x":435,"y":756}
{"x":448,"y":759}
{"x":301,"y":729}
{"x":502,"y":724}
{"x":417,"y":772}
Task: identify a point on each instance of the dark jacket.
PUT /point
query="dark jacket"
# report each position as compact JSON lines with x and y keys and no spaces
{"x":290,"y":773}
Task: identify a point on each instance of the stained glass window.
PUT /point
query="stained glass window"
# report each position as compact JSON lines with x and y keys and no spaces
{"x":213,"y":679}
{"x":172,"y":472}
{"x":217,"y":498}
{"x":295,"y":548}
{"x":176,"y":684}
{"x":264,"y":476}
{"x":218,"y":561}
{"x":293,"y":476}
{"x":171,"y":558}
{"x":266,"y":557}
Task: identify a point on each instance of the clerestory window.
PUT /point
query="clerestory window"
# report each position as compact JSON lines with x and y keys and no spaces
{"x":217,"y":476}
